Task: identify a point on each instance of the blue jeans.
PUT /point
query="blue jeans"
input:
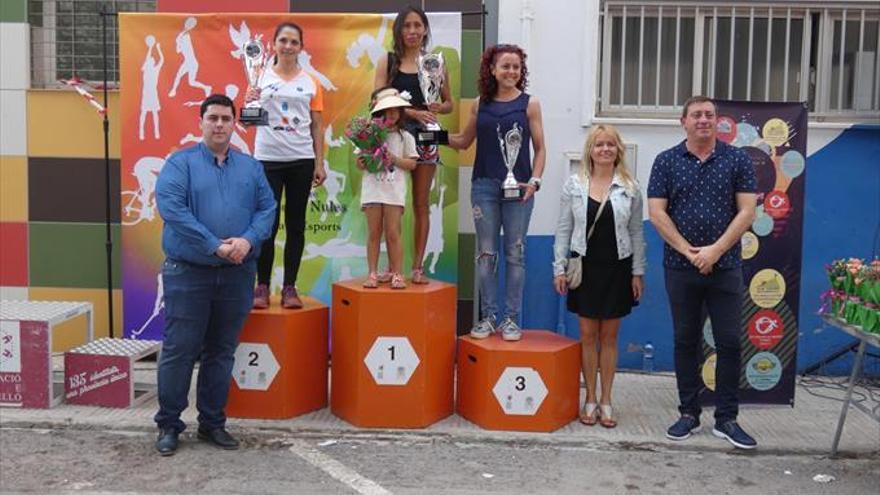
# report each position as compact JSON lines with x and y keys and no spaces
{"x":205,"y":309}
{"x":490,"y":214}
{"x":721,"y":293}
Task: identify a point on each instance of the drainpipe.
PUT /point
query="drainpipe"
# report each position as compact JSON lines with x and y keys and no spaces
{"x":527,"y":15}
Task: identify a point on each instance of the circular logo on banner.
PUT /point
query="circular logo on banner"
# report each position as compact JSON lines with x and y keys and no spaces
{"x":793,"y":163}
{"x":726,"y":128}
{"x":746,"y":134}
{"x":763,"y":223}
{"x":750,"y":244}
{"x":776,"y":132}
{"x":708,"y":336}
{"x":765,"y":329}
{"x":709,"y":371}
{"x":776,"y":204}
{"x":767,"y":288}
{"x":763,"y":371}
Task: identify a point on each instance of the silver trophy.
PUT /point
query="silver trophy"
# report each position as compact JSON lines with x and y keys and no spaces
{"x":254,"y":55}
{"x":431,"y":76}
{"x":510,"y":143}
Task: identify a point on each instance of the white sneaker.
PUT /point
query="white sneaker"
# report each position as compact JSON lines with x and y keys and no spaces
{"x":483,"y":328}
{"x":510,"y":331}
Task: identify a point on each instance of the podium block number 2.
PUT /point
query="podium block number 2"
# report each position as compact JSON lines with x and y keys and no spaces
{"x":255,"y":366}
{"x":520,"y":391}
{"x":391,"y":360}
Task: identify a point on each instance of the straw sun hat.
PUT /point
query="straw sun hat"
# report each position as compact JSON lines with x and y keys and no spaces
{"x":389,"y":98}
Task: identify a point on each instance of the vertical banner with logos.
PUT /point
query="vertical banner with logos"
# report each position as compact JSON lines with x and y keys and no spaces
{"x":169,"y":63}
{"x":775,"y":137}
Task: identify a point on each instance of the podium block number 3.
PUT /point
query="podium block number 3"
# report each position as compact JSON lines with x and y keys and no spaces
{"x":520,"y":391}
{"x":255,"y":366}
{"x":391,"y":360}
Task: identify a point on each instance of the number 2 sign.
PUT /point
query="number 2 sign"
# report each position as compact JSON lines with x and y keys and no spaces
{"x":255,"y":366}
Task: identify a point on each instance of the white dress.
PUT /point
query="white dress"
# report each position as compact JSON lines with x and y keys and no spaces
{"x":389,"y":188}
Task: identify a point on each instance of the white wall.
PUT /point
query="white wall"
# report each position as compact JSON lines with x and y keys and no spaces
{"x":561,"y":39}
{"x":560,"y":49}
{"x":14,"y":81}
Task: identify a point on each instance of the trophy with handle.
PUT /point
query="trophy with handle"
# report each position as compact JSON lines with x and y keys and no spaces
{"x":255,"y":56}
{"x":510,"y":143}
{"x":431,"y":76}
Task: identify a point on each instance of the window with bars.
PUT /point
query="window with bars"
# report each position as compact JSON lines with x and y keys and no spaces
{"x":66,"y":39}
{"x":654,"y":55}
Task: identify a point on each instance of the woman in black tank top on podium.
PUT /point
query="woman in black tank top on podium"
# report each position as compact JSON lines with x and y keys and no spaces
{"x":400,"y":71}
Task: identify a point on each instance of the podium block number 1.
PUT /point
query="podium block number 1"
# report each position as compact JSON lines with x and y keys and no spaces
{"x":520,"y":391}
{"x":391,"y":360}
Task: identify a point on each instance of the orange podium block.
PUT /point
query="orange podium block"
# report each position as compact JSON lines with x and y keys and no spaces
{"x":529,"y":385}
{"x":280,"y":366}
{"x":393,"y":354}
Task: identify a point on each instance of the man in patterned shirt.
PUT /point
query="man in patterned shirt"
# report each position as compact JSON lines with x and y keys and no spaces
{"x":701,"y":198}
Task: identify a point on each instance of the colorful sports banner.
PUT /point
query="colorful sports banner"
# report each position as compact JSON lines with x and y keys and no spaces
{"x":169,"y":63}
{"x":775,"y":137}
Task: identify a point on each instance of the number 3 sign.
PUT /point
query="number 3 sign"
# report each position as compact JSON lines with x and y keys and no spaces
{"x":520,"y":391}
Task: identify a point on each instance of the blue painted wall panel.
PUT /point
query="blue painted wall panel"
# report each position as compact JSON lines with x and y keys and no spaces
{"x":842,"y":219}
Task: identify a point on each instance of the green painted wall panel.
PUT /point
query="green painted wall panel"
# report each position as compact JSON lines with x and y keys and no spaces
{"x":13,"y":11}
{"x":71,"y":255}
{"x":471,"y":50}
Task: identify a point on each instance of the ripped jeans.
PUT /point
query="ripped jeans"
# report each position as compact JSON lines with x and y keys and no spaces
{"x":490,"y":214}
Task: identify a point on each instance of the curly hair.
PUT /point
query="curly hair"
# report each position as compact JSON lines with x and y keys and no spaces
{"x":488,"y":85}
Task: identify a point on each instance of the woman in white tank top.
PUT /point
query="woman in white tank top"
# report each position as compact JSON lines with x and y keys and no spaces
{"x":291,"y":148}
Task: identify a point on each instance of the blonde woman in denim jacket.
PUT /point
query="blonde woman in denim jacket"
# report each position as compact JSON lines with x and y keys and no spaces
{"x":613,"y":259}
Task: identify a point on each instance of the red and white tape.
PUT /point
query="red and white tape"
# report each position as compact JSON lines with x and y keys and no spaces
{"x":76,"y":83}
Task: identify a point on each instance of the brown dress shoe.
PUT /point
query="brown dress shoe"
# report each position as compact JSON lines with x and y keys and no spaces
{"x":261,"y":296}
{"x":290,"y":299}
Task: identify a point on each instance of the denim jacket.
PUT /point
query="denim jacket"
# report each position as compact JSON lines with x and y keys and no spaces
{"x":571,"y":228}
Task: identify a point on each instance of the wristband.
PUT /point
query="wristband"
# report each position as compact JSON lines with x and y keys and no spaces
{"x":536,"y":183}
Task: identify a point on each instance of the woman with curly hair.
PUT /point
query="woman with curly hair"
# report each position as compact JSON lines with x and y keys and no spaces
{"x":399,"y":70}
{"x":505,"y":121}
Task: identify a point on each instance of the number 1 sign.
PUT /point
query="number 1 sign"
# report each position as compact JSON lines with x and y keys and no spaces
{"x":391,"y":360}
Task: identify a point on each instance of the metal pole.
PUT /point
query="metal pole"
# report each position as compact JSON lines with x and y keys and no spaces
{"x":475,"y":311}
{"x":853,"y":378}
{"x":483,"y":14}
{"x":109,"y":239}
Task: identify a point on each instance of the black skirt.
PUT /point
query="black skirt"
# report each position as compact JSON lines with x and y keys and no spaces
{"x":605,"y":291}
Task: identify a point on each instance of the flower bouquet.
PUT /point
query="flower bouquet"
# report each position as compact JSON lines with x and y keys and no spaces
{"x":867,"y":287}
{"x":368,"y":135}
{"x":870,"y":287}
{"x":855,"y":293}
{"x":836,"y":272}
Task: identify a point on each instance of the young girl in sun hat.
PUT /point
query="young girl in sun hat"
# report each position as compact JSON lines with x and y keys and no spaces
{"x":383,"y":194}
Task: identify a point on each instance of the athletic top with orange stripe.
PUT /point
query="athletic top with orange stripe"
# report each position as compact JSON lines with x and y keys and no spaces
{"x":289,"y":103}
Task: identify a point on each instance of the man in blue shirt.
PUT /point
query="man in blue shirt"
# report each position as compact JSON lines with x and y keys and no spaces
{"x":701,"y":198}
{"x":218,"y":209}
